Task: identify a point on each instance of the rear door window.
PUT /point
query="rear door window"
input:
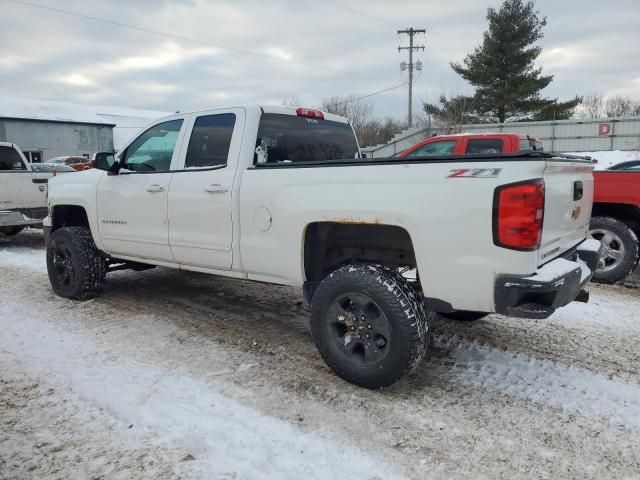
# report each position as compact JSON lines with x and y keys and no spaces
{"x":210,"y":141}
{"x":434,"y":149}
{"x":288,"y":138}
{"x":485,"y":145}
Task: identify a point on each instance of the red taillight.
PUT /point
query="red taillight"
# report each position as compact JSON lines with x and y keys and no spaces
{"x":305,"y":112}
{"x":518,"y":213}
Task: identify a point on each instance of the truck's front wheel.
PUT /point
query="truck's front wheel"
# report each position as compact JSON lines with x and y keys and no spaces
{"x":76,"y":268}
{"x":620,"y":253}
{"x":369,"y":325}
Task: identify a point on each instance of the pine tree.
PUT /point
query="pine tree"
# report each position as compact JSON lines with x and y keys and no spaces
{"x":508,"y":84}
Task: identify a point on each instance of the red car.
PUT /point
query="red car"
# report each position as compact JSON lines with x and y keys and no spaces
{"x":616,"y":219}
{"x":468,"y":144}
{"x":76,"y":162}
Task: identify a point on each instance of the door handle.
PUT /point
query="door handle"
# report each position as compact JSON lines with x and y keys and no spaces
{"x":215,"y":188}
{"x":154,"y":187}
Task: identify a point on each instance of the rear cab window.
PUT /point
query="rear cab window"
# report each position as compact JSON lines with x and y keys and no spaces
{"x":286,"y":138}
{"x":484,"y":146}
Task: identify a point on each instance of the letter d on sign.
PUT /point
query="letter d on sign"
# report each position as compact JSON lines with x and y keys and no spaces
{"x":604,"y":128}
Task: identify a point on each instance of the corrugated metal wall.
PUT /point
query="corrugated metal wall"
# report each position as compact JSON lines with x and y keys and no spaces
{"x":559,"y":136}
{"x":54,"y":139}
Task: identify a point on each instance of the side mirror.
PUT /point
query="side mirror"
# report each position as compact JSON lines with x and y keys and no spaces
{"x":364,"y":155}
{"x":106,"y":161}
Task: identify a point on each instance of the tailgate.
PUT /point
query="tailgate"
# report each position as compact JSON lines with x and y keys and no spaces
{"x":568,"y":202}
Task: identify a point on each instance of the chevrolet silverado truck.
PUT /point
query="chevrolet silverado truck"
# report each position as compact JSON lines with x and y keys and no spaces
{"x":616,"y":220}
{"x":23,"y":191}
{"x":281,"y":195}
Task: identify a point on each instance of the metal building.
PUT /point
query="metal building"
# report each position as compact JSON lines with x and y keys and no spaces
{"x":45,"y":129}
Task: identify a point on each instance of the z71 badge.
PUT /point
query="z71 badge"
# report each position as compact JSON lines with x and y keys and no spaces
{"x":474,"y":173}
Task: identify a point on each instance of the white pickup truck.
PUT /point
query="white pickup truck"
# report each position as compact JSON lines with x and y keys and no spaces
{"x":283,"y":196}
{"x":23,"y":191}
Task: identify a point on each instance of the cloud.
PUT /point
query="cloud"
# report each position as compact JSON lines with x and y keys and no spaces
{"x":309,"y":49}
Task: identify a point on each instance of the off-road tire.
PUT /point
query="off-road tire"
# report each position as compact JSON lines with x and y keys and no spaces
{"x":464,"y":315}
{"x":401,"y":307}
{"x":76,"y":268}
{"x":9,"y":231}
{"x":629,"y":242}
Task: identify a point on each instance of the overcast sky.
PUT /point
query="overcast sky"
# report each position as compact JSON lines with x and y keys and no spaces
{"x":308,"y":49}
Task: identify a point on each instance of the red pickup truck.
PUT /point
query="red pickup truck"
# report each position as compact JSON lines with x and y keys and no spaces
{"x":470,"y":144}
{"x":615,"y":219}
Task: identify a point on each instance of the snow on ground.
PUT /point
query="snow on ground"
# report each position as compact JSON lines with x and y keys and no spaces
{"x":607,"y":159}
{"x":23,"y":258}
{"x":543,"y":381}
{"x":179,"y":413}
{"x":178,"y":375}
{"x":598,"y":313}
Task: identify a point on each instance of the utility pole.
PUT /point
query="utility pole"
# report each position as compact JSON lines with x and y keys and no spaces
{"x":411,"y":32}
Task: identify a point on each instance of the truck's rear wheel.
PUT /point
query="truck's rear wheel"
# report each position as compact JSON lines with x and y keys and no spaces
{"x":369,"y":325}
{"x":620,"y":255}
{"x":11,"y":230}
{"x":76,"y":268}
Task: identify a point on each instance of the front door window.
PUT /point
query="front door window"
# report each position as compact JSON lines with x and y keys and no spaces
{"x":152,"y":151}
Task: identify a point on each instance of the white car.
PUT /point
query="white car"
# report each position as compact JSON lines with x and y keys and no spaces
{"x":23,"y":191}
{"x":281,"y":195}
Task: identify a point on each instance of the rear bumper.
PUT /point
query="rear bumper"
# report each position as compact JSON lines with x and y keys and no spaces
{"x":554,"y":285}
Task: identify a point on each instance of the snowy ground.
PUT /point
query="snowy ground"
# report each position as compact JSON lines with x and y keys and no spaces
{"x":178,"y":375}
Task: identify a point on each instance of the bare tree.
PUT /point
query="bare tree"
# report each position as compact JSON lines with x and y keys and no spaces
{"x":619,"y":106}
{"x":375,"y":132}
{"x":370,"y":131}
{"x":592,"y":106}
{"x":356,"y":110}
{"x":291,"y":101}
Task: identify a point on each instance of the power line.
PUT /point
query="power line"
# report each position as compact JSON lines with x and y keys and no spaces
{"x":183,"y":38}
{"x":351,"y":100}
{"x":359,"y":12}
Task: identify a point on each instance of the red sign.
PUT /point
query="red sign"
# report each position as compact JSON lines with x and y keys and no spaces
{"x":604,"y":129}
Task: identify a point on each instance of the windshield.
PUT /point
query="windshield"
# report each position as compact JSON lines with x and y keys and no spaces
{"x":288,"y":138}
{"x":633,"y":166}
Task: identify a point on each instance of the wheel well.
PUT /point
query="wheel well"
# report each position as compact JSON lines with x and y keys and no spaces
{"x":69,"y":216}
{"x":629,"y":214}
{"x":329,"y":245}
